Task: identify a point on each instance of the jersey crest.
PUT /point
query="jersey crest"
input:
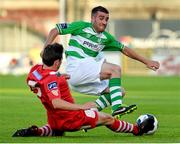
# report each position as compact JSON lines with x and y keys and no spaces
{"x":52,"y":85}
{"x":55,"y":92}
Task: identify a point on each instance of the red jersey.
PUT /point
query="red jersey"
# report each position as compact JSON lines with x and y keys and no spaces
{"x":49,"y":85}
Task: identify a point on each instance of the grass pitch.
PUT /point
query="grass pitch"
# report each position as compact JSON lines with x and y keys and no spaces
{"x":160,"y":96}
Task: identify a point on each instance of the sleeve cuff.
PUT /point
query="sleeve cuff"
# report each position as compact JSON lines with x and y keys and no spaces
{"x":58,"y":28}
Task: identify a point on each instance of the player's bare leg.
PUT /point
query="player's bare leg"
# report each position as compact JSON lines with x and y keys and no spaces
{"x":121,"y":126}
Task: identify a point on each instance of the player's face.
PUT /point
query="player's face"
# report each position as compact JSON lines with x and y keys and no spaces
{"x":100,"y":21}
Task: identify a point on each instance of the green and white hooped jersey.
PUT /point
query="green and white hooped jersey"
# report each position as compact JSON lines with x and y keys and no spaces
{"x":85,"y":41}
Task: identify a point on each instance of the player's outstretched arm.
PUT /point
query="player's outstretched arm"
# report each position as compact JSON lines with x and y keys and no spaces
{"x":62,"y":104}
{"x":50,"y":38}
{"x":154,"y":65}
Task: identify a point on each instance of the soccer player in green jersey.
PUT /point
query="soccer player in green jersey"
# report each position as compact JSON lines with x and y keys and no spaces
{"x":89,"y":71}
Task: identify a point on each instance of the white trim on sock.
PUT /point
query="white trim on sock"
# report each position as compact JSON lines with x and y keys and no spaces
{"x":124,"y":126}
{"x":100,"y":103}
{"x":116,"y":94}
{"x":120,"y":125}
{"x":117,"y":102}
{"x":114,"y":88}
{"x":104,"y":98}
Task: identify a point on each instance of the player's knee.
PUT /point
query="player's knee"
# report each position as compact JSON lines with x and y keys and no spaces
{"x":106,"y":119}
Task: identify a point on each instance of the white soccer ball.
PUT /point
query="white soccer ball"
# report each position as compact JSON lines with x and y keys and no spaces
{"x":152,"y":123}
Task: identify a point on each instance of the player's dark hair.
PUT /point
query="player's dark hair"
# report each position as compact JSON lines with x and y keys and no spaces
{"x":51,"y":53}
{"x":99,"y":8}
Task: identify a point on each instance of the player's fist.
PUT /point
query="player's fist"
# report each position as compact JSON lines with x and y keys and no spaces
{"x":66,"y":76}
{"x":154,"y":65}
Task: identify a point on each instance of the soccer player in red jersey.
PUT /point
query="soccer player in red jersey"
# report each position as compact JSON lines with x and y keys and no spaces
{"x":63,"y":113}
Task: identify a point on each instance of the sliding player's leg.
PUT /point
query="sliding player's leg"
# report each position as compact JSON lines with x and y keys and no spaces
{"x":37,"y":131}
{"x":120,"y":126}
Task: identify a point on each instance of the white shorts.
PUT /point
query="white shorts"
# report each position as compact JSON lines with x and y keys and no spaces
{"x":85,"y":75}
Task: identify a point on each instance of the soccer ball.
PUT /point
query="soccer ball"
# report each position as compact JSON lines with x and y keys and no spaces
{"x":152,"y":125}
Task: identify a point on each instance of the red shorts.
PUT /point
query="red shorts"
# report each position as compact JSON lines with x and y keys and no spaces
{"x":73,"y":120}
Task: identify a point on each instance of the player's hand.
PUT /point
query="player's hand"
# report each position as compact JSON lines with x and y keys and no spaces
{"x":89,"y":105}
{"x":66,"y":76}
{"x":154,"y":65}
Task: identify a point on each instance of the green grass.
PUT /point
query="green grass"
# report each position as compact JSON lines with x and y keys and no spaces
{"x":157,"y":95}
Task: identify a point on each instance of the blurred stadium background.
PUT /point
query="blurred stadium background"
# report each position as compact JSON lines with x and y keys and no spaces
{"x":150,"y":27}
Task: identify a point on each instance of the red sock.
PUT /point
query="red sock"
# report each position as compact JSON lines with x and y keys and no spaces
{"x":45,"y":131}
{"x":121,"y":126}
